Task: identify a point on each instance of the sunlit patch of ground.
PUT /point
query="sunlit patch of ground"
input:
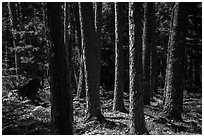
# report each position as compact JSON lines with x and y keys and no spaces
{"x":20,"y":117}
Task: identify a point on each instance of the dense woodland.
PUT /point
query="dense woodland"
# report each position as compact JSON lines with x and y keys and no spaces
{"x":101,"y":68}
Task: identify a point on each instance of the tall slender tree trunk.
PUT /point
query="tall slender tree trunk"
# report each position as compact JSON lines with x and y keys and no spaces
{"x":98,"y":16}
{"x":92,"y":60}
{"x":118,"y":103}
{"x":71,"y":30}
{"x":48,"y":42}
{"x":153,"y":49}
{"x":60,"y":65}
{"x":146,"y":51}
{"x":13,"y":22}
{"x":173,"y":105}
{"x":98,"y":25}
{"x":137,"y":121}
{"x":81,"y":91}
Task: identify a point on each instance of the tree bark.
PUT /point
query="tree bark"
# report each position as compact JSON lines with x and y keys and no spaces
{"x":61,"y":95}
{"x":91,"y":52}
{"x":118,"y":103}
{"x":137,"y":121}
{"x":173,"y":105}
{"x":81,"y":91}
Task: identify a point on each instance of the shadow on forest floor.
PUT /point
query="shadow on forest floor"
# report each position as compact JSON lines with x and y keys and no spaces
{"x":22,"y":118}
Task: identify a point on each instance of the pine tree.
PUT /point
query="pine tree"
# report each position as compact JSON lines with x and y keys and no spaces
{"x":91,"y":56}
{"x":173,"y":104}
{"x":118,"y":103}
{"x":61,"y":95}
{"x":137,"y":121}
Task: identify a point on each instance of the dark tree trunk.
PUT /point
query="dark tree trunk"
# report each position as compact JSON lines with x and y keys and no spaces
{"x":153,"y":49}
{"x":147,"y":39}
{"x":61,"y":95}
{"x":173,"y":105}
{"x":118,"y":103}
{"x":98,"y":16}
{"x":98,"y":25}
{"x":197,"y":71}
{"x":91,"y":56}
{"x":137,"y":121}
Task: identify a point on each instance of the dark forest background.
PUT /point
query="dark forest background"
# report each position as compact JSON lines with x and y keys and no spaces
{"x":95,"y":41}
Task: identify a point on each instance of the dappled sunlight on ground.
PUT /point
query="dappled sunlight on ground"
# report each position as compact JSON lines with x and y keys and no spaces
{"x":21,"y":117}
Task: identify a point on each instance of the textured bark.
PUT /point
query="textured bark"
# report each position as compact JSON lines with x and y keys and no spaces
{"x":77,"y":26}
{"x":91,"y":52}
{"x":137,"y":121}
{"x":61,"y":95}
{"x":48,"y":43}
{"x":118,"y":103}
{"x":173,"y":105}
{"x":81,"y":92}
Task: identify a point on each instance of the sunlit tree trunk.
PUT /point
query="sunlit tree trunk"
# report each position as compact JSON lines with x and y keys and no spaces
{"x":13,"y":22}
{"x":173,"y":105}
{"x":118,"y":103}
{"x":60,"y":65}
{"x":47,"y":41}
{"x":137,"y":121}
{"x":81,"y":91}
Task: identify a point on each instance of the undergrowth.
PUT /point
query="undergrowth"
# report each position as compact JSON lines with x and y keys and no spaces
{"x":23,"y":118}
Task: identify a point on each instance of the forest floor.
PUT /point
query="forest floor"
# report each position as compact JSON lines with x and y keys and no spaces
{"x":23,"y":118}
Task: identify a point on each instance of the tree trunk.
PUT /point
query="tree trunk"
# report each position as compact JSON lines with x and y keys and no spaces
{"x":61,"y":95}
{"x":197,"y":72}
{"x":137,"y":121}
{"x":91,"y":56}
{"x":146,"y":51}
{"x":118,"y":103}
{"x":47,"y":43}
{"x":153,"y":49}
{"x":98,"y":16}
{"x":81,"y":91}
{"x":13,"y":22}
{"x":98,"y":25}
{"x":173,"y":104}
{"x":71,"y":30}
